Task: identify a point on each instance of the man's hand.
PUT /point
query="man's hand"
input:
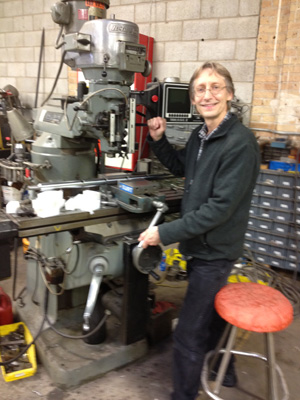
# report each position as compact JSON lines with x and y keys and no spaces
{"x":157,"y":127}
{"x":150,"y":237}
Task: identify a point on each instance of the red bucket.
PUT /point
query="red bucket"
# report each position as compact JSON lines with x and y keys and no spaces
{"x":6,"y":314}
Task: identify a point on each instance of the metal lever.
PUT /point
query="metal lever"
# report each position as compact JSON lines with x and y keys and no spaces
{"x":97,"y":267}
{"x":161,"y":208}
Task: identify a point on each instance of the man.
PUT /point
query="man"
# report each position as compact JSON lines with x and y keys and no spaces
{"x":220,"y":164}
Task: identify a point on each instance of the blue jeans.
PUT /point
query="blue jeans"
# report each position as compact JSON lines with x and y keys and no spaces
{"x":199,"y":326}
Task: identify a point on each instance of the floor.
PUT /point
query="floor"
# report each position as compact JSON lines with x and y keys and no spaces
{"x":149,"y":378}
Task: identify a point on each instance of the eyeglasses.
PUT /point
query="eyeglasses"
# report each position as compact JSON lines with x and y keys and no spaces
{"x":214,"y":90}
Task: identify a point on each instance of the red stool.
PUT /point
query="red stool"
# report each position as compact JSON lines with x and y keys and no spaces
{"x":253,"y":307}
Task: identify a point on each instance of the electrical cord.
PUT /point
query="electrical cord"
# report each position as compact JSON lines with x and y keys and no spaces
{"x":66,"y":271}
{"x":258,"y":272}
{"x":15,"y":298}
{"x":56,"y":78}
{"x":42,"y":261}
{"x":102,"y":321}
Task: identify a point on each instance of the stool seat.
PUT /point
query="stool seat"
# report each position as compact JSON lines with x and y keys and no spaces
{"x":254,"y":307}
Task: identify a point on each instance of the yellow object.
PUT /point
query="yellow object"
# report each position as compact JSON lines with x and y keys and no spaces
{"x":174,"y":255}
{"x":23,"y":373}
{"x":241,"y":278}
{"x":25,"y":243}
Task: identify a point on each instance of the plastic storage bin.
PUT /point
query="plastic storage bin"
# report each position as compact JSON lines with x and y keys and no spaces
{"x":24,"y":373}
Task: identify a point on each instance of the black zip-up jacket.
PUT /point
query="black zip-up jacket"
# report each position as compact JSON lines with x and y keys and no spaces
{"x":218,"y":190}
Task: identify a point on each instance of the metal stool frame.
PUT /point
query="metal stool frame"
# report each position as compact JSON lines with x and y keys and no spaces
{"x":211,"y":358}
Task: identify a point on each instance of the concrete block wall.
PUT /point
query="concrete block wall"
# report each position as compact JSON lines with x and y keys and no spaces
{"x":186,"y":33}
{"x":21,"y":26}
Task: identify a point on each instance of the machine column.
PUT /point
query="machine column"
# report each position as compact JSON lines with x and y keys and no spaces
{"x":135,"y":313}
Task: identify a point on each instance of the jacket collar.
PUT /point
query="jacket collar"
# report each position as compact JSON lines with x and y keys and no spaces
{"x":223,"y":128}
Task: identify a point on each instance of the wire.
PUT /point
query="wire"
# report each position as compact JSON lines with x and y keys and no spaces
{"x":16,"y":271}
{"x":75,"y":264}
{"x":70,"y":127}
{"x":102,"y":321}
{"x":39,"y":68}
{"x":258,"y":272}
{"x":56,"y":78}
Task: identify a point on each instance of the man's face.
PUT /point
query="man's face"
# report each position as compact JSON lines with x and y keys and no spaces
{"x":211,"y":104}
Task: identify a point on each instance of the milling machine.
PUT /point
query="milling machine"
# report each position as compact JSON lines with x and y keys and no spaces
{"x":87,"y":279}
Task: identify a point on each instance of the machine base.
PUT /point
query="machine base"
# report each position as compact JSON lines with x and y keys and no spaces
{"x":72,"y":362}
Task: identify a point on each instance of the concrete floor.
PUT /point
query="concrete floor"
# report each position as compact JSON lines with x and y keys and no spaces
{"x":149,"y":378}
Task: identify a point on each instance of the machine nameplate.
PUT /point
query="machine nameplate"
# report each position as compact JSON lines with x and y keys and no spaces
{"x":53,"y":117}
{"x":135,"y":49}
{"x":122,"y":28}
{"x":126,"y":188}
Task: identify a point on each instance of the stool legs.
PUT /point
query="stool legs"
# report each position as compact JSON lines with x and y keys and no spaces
{"x":225,"y":359}
{"x":273,"y":392}
{"x":273,"y":369}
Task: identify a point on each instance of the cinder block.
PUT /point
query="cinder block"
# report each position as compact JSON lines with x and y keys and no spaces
{"x":22,"y":24}
{"x":242,"y":27}
{"x":122,"y":12}
{"x":31,"y":70}
{"x":32,"y":38}
{"x":241,"y":71}
{"x":112,"y":2}
{"x":185,"y":9}
{"x":181,"y":51}
{"x":4,"y":55}
{"x":41,"y":21}
{"x":2,"y":40}
{"x":11,"y":55}
{"x":245,"y":49}
{"x":150,"y":12}
{"x":166,"y":31}
{"x":200,"y":30}
{"x":62,"y":87}
{"x":15,"y":39}
{"x":145,"y":29}
{"x":3,"y":69}
{"x":243,"y":91}
{"x":33,"y":7}
{"x":164,"y":70}
{"x":219,"y":8}
{"x":216,"y":50}
{"x":16,"y":69}
{"x":25,"y":85}
{"x":249,"y":7}
{"x":49,"y":3}
{"x":23,"y":54}
{"x":12,"y":8}
{"x":49,"y":54}
{"x":158,"y":52}
{"x":187,"y":69}
{"x":132,"y":1}
{"x":7,"y":81}
{"x":6,"y":24}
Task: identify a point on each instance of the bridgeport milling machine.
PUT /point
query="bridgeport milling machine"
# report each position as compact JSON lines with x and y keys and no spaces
{"x":83,"y":267}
